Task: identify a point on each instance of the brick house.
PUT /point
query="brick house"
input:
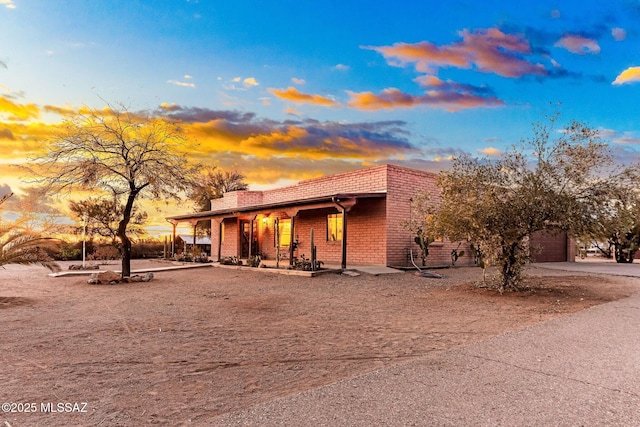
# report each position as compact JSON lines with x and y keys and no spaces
{"x":356,"y":218}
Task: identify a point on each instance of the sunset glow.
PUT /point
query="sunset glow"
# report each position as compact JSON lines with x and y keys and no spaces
{"x":289,"y":91}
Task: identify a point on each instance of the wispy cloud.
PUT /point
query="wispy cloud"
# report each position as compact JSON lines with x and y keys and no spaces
{"x":297,"y":81}
{"x":618,"y":34}
{"x":8,"y":4}
{"x":578,"y":44}
{"x":183,"y":84}
{"x":250,"y":82}
{"x":292,"y":94}
{"x":247,"y":83}
{"x":293,"y":112}
{"x":16,"y":111}
{"x":619,"y":137}
{"x":630,"y":75}
{"x":341,"y":67}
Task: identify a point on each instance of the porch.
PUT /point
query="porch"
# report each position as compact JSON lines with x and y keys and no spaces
{"x":328,"y":229}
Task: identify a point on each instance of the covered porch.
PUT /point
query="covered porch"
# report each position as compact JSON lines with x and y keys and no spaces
{"x":336,"y":229}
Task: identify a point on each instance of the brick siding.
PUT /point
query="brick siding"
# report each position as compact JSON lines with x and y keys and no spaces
{"x":375,"y":234}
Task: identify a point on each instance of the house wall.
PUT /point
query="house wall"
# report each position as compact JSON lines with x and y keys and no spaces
{"x":364,"y":180}
{"x":365,"y":233}
{"x":231,"y":244}
{"x":375,"y":231}
{"x":555,"y":247}
{"x":402,"y":185}
{"x":215,"y":235}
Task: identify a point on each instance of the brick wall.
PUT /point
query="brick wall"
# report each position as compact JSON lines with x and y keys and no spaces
{"x":402,"y":185}
{"x":231,"y":243}
{"x":234,"y":199}
{"x":359,"y":181}
{"x":366,"y":241}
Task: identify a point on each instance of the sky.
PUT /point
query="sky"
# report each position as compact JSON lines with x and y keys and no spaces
{"x":289,"y":90}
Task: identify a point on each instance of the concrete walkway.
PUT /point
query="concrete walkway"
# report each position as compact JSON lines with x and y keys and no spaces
{"x":579,"y":370}
{"x":596,"y":266}
{"x":167,"y":267}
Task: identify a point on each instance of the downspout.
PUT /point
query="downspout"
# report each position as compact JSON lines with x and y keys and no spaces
{"x":344,"y":231}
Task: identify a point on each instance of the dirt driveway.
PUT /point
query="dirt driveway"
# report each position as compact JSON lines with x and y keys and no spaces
{"x":193,"y":344}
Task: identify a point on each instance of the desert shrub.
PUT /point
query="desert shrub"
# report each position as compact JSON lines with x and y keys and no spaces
{"x":147,"y":250}
{"x":68,"y":252}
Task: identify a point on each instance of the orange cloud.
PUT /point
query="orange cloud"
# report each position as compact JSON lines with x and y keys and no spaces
{"x":490,"y":152}
{"x":578,"y":44}
{"x":292,"y":94}
{"x":17,"y":111}
{"x":488,"y":50}
{"x":630,"y":75}
{"x":448,"y":100}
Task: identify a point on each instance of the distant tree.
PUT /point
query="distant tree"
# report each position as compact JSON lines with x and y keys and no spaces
{"x":620,"y":225}
{"x":22,"y":246}
{"x":213,"y":183}
{"x":103,"y":218}
{"x":423,"y":223}
{"x":127,"y":154}
{"x":557,"y":180}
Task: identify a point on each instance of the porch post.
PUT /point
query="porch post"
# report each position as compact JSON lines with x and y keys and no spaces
{"x":251,"y":237}
{"x":291,"y":241}
{"x":220,"y":239}
{"x":344,"y":238}
{"x":194,"y":224}
{"x":276,"y":233}
{"x":343,"y":210}
{"x":174,"y":223}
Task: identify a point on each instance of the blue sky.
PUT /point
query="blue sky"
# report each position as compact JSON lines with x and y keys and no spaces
{"x":289,"y":90}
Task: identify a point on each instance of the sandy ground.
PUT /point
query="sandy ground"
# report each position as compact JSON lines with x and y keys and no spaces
{"x":194,"y":344}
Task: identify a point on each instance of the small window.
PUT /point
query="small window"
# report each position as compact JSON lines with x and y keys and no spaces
{"x":334,"y":227}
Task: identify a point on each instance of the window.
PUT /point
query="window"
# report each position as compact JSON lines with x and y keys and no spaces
{"x":284,"y":227}
{"x":222,"y":231}
{"x":334,"y":227}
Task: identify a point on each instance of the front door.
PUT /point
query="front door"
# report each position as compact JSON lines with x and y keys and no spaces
{"x":246,"y":235}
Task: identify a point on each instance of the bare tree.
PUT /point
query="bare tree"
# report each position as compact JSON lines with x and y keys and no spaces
{"x":127,"y":154}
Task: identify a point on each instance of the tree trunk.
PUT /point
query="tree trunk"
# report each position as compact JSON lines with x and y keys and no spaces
{"x":122,"y":234}
{"x":510,"y":269}
{"x":126,"y":249}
